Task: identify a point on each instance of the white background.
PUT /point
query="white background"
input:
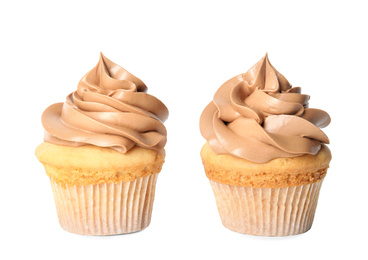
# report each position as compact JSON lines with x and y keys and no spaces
{"x":183,"y":51}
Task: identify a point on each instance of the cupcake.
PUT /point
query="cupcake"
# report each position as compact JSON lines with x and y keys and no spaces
{"x":265,"y":155}
{"x":103,"y":149}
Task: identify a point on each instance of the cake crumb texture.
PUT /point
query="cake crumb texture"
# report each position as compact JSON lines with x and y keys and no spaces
{"x":90,"y":164}
{"x":280,"y":172}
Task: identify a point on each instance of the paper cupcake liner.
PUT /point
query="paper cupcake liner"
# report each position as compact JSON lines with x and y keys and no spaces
{"x":267,"y":211}
{"x":105,"y":209}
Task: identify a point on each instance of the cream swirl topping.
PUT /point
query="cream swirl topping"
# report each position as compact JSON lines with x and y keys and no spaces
{"x":109,"y":109}
{"x":259,"y":116}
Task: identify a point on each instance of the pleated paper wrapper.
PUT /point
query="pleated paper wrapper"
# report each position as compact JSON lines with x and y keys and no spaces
{"x":105,"y":209}
{"x":267,"y":211}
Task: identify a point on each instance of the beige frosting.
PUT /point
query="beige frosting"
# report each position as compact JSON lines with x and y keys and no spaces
{"x":259,"y":116}
{"x":109,"y":109}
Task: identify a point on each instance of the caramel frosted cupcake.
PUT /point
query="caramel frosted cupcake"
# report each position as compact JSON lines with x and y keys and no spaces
{"x":265,"y":154}
{"x":103,"y":150}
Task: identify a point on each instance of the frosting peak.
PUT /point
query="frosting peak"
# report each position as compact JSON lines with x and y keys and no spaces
{"x":259,"y":116}
{"x":264,"y":76}
{"x":109,"y":109}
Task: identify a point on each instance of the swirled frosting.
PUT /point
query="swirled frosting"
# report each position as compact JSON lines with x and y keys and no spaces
{"x":109,"y":109}
{"x":259,"y":116}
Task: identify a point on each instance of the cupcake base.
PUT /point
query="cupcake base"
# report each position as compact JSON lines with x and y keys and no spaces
{"x":267,"y":211}
{"x":105,"y":209}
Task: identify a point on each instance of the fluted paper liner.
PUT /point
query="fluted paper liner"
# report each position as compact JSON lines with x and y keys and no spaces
{"x":105,"y":209}
{"x":267,"y":211}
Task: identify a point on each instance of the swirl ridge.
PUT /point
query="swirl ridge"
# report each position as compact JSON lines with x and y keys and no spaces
{"x":109,"y":109}
{"x":259,"y":116}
